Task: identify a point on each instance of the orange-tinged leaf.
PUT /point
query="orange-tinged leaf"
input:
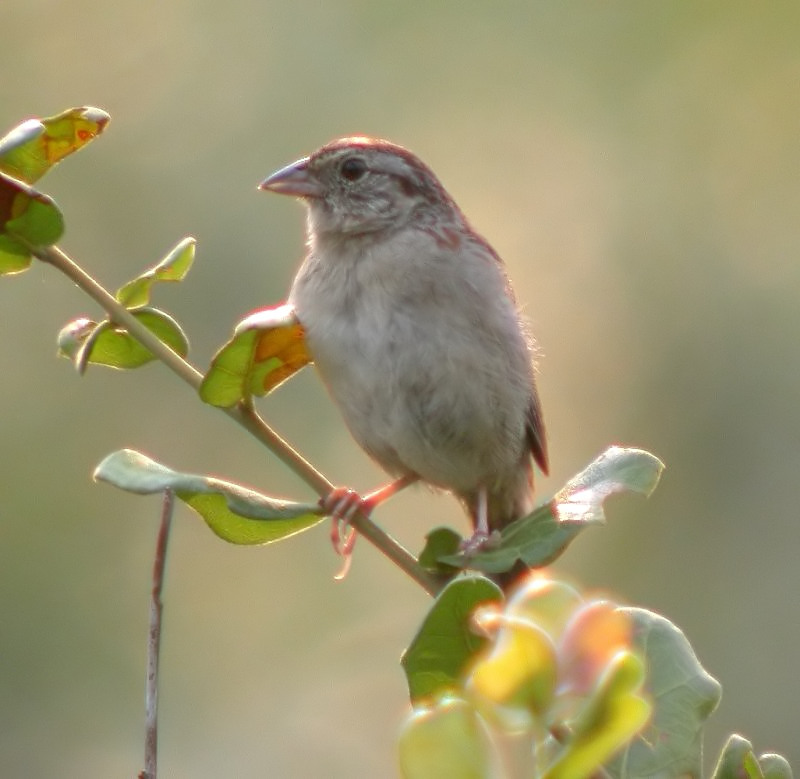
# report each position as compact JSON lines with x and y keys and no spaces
{"x":544,"y":601}
{"x":594,"y":635}
{"x":267,"y":348}
{"x":29,"y":150}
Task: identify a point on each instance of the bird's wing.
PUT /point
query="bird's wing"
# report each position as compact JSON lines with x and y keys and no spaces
{"x":537,"y":440}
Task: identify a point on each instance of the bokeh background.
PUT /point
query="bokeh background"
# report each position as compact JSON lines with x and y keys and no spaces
{"x":637,"y":166}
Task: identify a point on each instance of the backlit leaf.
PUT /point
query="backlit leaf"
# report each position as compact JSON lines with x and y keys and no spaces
{"x":235,"y":513}
{"x":173,"y":267}
{"x":267,"y":348}
{"x":520,"y":671}
{"x":616,"y":470}
{"x":112,"y":346}
{"x":29,"y":150}
{"x":446,"y":740}
{"x":27,"y":219}
{"x":615,"y":713}
{"x":14,"y":257}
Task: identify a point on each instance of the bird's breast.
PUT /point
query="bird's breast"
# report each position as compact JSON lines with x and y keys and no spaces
{"x":428,"y":382}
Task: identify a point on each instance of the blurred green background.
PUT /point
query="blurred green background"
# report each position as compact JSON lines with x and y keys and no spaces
{"x":636,"y":164}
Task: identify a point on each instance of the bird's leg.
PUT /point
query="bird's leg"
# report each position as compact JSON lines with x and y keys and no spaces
{"x":482,"y":514}
{"x":342,"y":503}
{"x":481,"y":535}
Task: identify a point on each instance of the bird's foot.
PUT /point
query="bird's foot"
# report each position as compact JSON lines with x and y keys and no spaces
{"x":341,"y":504}
{"x":480,"y":541}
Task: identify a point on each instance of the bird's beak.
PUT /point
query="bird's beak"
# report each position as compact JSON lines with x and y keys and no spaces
{"x":294,"y":179}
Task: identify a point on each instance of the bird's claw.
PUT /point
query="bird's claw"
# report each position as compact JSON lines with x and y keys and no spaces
{"x":341,"y":504}
{"x":479,"y":542}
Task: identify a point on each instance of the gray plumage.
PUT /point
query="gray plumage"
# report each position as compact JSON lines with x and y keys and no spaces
{"x":413,"y":327}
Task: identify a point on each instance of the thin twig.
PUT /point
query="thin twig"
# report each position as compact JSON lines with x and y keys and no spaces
{"x":243,"y":413}
{"x":154,"y":641}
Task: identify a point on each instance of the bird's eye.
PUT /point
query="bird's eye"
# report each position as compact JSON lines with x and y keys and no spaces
{"x":353,"y":168}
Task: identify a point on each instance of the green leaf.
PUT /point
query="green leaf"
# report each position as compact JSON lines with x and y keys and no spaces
{"x":445,"y":643}
{"x":14,"y":257}
{"x":440,"y":542}
{"x":540,"y":537}
{"x":29,"y":150}
{"x":683,"y":696}
{"x":447,"y":740}
{"x":27,"y":219}
{"x":173,"y":267}
{"x":112,"y":346}
{"x":616,"y":470}
{"x":267,"y":348}
{"x":737,"y":760}
{"x":235,"y":513}
{"x":536,"y":540}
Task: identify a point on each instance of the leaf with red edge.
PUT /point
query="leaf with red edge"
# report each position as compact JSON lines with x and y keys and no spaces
{"x":29,"y":150}
{"x":266,"y":349}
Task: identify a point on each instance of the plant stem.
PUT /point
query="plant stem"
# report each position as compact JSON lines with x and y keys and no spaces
{"x":154,"y":640}
{"x":242,"y":413}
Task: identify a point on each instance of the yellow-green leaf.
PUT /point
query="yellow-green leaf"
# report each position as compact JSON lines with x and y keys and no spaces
{"x":29,"y":150}
{"x":113,"y":346}
{"x":445,"y":741}
{"x":27,"y":219}
{"x":267,"y":348}
{"x":14,"y":257}
{"x":519,"y":671}
{"x":615,"y":713}
{"x":235,"y":513}
{"x":173,"y":267}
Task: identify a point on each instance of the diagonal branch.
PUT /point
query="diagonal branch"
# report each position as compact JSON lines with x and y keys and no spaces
{"x":243,"y":413}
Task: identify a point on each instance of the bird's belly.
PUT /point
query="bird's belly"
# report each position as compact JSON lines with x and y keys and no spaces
{"x":418,"y":404}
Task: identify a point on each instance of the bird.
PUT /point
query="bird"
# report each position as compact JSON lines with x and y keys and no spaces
{"x":412,"y":324}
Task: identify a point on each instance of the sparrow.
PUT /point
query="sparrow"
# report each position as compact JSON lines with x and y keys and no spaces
{"x":413,"y":326}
